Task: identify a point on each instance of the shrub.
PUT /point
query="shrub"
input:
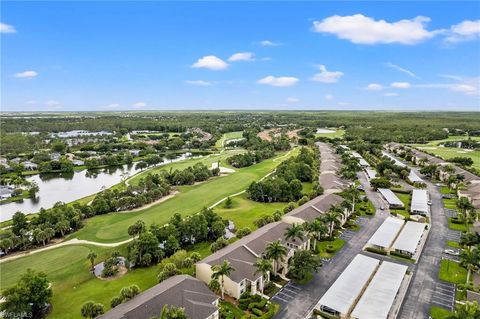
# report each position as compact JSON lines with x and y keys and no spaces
{"x":195,"y":257}
{"x":376,"y":251}
{"x":277,"y":216}
{"x":242,"y":232}
{"x":303,"y":200}
{"x":330,"y":249}
{"x":289,"y":208}
{"x":115,"y":301}
{"x":401,"y":255}
{"x":257,"y":312}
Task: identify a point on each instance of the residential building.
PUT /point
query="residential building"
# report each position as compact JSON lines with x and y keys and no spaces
{"x":181,"y":291}
{"x":243,"y":254}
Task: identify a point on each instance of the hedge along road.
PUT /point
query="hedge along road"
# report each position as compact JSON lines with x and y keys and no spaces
{"x":112,"y":227}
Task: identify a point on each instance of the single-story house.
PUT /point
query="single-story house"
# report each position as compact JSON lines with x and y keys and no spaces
{"x":77,"y":162}
{"x":30,"y":166}
{"x":5,"y":192}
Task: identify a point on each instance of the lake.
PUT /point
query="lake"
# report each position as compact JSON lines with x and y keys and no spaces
{"x":70,"y":187}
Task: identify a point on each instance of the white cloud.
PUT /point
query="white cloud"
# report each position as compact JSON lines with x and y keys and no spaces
{"x":374,"y":87}
{"x":365,"y":30}
{"x":400,"y":85}
{"x":139,"y":104}
{"x":329,"y":97}
{"x":113,"y":105}
{"x":268,"y":43}
{"x":210,"y":62}
{"x":242,"y":56}
{"x":390,"y":94}
{"x":6,"y":28}
{"x":52,"y":103}
{"x":281,"y":81}
{"x":343,"y":103}
{"x":31,"y":102}
{"x":465,"y":88}
{"x":26,"y":74}
{"x":199,"y":82}
{"x":464,"y":31}
{"x":399,"y":68}
{"x":293,"y":100}
{"x":326,"y":76}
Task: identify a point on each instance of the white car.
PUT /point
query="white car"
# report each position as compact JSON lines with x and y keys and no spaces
{"x":451,"y":252}
{"x":429,"y":202}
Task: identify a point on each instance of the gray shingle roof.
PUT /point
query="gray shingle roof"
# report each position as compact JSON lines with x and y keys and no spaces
{"x":181,"y":291}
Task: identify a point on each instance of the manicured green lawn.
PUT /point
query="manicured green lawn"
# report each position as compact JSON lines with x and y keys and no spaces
{"x":113,"y":227}
{"x":446,"y":191}
{"x":405,"y":198}
{"x":244,"y":211}
{"x":450,"y":203}
{"x":451,"y":271}
{"x":228,"y":136}
{"x":321,"y":248}
{"x":460,"y":227}
{"x":449,"y":152}
{"x":237,"y":312}
{"x":337,"y":133}
{"x":453,"y":244}
{"x":439,"y":313}
{"x":68,"y":270}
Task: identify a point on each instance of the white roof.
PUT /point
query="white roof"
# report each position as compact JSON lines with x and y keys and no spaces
{"x":356,"y":155}
{"x":386,"y":233}
{"x":419,"y":201}
{"x":363,"y":162}
{"x":414,"y":178}
{"x":371,"y":173}
{"x":390,"y":197}
{"x":378,"y":298}
{"x":397,"y":162}
{"x":347,"y":288}
{"x":409,"y":237}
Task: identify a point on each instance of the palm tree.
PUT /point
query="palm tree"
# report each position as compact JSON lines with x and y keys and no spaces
{"x":470,"y":259}
{"x":293,"y":232}
{"x":317,"y":229}
{"x":40,"y":235}
{"x":62,"y":226}
{"x":465,"y":206}
{"x":264,"y":266}
{"x":352,"y":194}
{"x":275,"y":251}
{"x":91,"y":256}
{"x":468,"y":310}
{"x":331,"y":218}
{"x":220,"y":271}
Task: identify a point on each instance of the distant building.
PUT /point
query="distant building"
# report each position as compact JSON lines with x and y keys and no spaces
{"x":77,"y":162}
{"x":134,"y":152}
{"x":55,"y":156}
{"x":5,"y":192}
{"x":30,"y":166}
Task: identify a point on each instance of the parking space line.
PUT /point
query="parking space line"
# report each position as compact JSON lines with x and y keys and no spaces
{"x":277,"y":297}
{"x":293,"y":287}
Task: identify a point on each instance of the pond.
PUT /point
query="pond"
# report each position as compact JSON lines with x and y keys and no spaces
{"x":70,"y":187}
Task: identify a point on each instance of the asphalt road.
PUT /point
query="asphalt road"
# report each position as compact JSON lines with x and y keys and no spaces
{"x":297,"y":301}
{"x":425,"y":288}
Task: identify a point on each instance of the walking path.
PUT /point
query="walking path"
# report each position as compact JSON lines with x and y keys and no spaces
{"x":76,"y":241}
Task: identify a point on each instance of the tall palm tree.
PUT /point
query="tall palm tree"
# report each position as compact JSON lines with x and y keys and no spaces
{"x":470,"y":259}
{"x":91,"y":256}
{"x":263,"y":266}
{"x":353,"y":195}
{"x":317,"y":229}
{"x":275,"y":251}
{"x":331,"y":218}
{"x":293,"y":232}
{"x":465,"y":206}
{"x":220,"y":271}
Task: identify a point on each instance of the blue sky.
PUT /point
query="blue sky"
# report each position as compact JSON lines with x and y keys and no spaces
{"x":252,"y":55}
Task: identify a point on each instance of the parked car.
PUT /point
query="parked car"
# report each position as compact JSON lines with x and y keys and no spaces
{"x":451,"y":252}
{"x":429,"y":202}
{"x":382,"y":207}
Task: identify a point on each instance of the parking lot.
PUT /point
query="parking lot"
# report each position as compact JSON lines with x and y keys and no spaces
{"x":287,"y":293}
{"x":450,"y":212}
{"x":444,"y":295}
{"x":453,"y":235}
